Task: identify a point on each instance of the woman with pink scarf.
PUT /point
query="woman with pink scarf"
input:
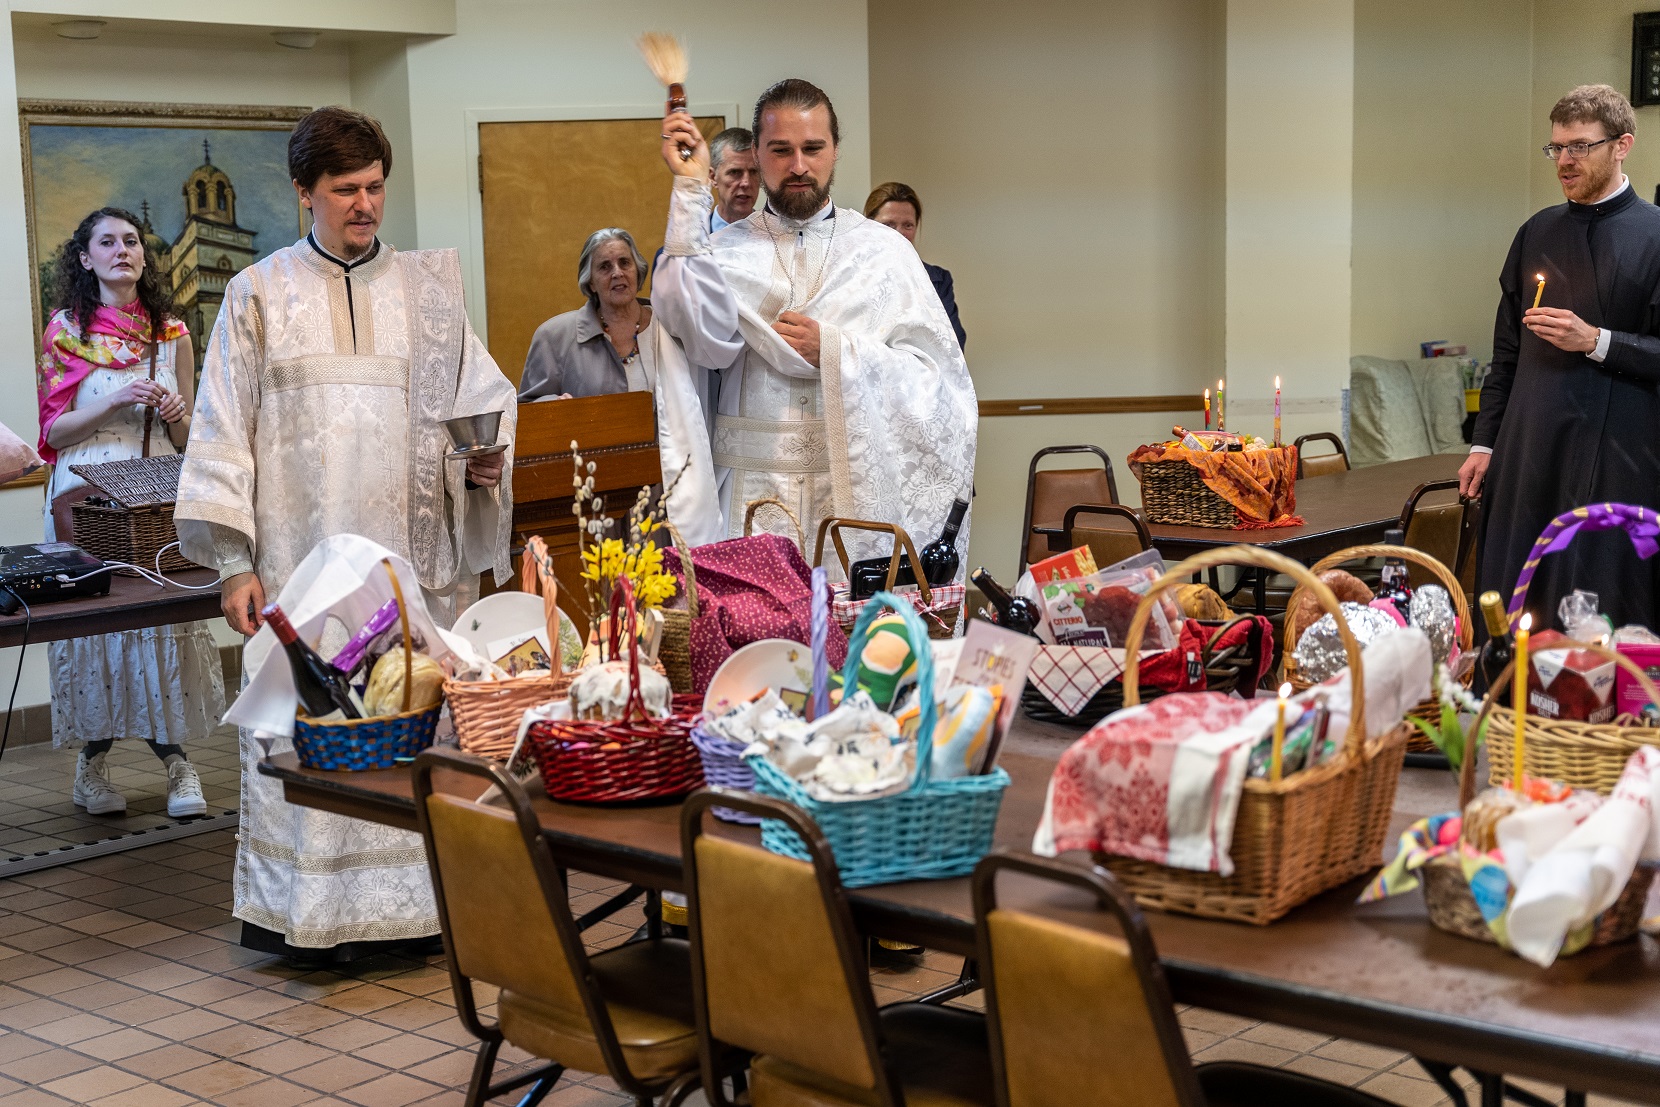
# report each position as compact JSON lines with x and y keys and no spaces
{"x":116,"y":379}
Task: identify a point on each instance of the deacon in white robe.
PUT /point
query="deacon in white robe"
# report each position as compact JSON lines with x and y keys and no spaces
{"x":842,"y":388}
{"x":322,"y":398}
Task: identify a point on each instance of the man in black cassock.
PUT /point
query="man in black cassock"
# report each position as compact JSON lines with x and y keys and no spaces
{"x":1570,"y":413}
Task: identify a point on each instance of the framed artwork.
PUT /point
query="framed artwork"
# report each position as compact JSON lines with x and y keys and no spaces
{"x":209,"y":183}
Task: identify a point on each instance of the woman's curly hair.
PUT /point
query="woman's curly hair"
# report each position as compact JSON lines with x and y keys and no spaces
{"x":76,"y":287}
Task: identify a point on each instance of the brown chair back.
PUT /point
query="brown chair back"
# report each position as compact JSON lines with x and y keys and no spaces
{"x":1051,"y":491}
{"x":1321,"y":464}
{"x":777,"y":967}
{"x":1442,"y":528}
{"x":1078,"y":1017}
{"x":1117,"y":532}
{"x":502,"y":901}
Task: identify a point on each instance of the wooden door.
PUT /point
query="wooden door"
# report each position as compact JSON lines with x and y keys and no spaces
{"x":546,"y":186}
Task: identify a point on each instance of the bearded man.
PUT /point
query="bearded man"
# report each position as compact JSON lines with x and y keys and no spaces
{"x":1570,"y":411}
{"x":331,"y":368}
{"x":842,"y":390}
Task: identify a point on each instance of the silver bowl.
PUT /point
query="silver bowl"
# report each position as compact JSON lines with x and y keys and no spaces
{"x":468,"y":432}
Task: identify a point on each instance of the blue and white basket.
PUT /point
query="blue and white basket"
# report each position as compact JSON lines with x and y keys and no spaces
{"x":932,"y":830}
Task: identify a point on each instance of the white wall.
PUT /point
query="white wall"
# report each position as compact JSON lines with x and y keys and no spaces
{"x":1443,"y":145}
{"x":413,"y":17}
{"x":562,"y":56}
{"x":1069,"y":159}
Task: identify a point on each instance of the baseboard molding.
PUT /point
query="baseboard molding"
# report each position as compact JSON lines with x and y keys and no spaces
{"x":32,"y":725}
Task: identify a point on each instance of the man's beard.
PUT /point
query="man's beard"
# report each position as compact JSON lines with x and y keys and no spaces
{"x":799,"y":205}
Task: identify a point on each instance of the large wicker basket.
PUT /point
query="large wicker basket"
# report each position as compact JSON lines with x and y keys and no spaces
{"x":1452,"y":908}
{"x":133,"y":520}
{"x":1292,"y":839}
{"x":674,"y":649}
{"x":1430,"y":709}
{"x":487,"y":713}
{"x":1174,"y":494}
{"x":940,"y":618}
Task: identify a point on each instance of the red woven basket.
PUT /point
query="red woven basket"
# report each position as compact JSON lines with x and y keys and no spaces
{"x":621,"y":761}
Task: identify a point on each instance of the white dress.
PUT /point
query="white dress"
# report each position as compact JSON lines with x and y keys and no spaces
{"x":160,"y":684}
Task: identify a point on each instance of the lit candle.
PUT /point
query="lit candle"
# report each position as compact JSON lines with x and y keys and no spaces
{"x":1207,"y":409}
{"x":1276,"y":411}
{"x":1518,"y":703}
{"x":1221,"y":411}
{"x":1539,"y":293}
{"x":1278,"y":749}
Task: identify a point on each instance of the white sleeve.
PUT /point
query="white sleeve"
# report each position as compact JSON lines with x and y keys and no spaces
{"x":1481,"y":449}
{"x":689,"y":293}
{"x":1605,"y":339}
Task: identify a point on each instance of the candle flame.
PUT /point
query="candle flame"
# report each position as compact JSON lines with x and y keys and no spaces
{"x":1218,"y":386}
{"x":1207,"y":393}
{"x":1540,"y":277}
{"x":1526,"y":623}
{"x":1285,"y":691}
{"x":1276,"y":383}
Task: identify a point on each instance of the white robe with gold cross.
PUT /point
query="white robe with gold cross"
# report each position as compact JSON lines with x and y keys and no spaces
{"x":320,"y":412}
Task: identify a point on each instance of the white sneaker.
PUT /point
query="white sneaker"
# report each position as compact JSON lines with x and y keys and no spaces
{"x":92,"y":788}
{"x":184,"y":791}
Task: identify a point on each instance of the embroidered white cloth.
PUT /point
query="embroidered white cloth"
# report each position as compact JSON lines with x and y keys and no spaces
{"x":883,"y":429}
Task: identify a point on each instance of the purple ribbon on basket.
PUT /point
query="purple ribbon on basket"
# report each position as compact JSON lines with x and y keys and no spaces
{"x":1640,"y":523}
{"x":820,"y":634}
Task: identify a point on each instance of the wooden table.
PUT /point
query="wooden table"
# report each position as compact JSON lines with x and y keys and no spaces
{"x":132,"y":603}
{"x":1378,"y":974}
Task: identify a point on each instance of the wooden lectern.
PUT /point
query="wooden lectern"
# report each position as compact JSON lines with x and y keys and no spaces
{"x":619,"y":434}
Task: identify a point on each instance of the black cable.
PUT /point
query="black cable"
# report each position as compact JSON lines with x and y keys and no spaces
{"x":28,"y":618}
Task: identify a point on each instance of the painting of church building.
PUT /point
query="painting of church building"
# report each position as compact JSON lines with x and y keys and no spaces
{"x":210,"y":187}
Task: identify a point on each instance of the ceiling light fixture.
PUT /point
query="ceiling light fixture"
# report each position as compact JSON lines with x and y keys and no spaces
{"x":79,"y":28}
{"x":295,"y":40}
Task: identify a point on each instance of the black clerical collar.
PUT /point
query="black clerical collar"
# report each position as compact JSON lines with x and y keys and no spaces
{"x":348,"y":266}
{"x":1621,"y":200}
{"x":828,"y":211}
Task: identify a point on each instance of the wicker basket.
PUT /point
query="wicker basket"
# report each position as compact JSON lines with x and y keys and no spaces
{"x":1224,"y":669}
{"x":1293,"y":839}
{"x":133,"y":521}
{"x":1580,"y":755}
{"x":1430,"y":709}
{"x":674,"y":649}
{"x":724,"y":767}
{"x":1452,"y":908}
{"x":932,"y":830}
{"x":354,"y":745}
{"x":754,"y":507}
{"x":1174,"y":494}
{"x":487,"y":713}
{"x":941,"y":623}
{"x":634,"y":759}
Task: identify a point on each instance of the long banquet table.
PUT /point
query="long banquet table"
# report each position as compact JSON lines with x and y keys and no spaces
{"x":1378,"y":974}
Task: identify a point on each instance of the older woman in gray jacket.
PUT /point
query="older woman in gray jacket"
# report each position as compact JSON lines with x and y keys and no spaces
{"x":604,"y":346}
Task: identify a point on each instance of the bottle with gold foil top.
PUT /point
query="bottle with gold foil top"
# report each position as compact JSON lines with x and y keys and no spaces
{"x":1497,"y":651}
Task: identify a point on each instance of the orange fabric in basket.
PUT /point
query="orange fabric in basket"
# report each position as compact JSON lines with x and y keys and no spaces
{"x":1261,"y":484}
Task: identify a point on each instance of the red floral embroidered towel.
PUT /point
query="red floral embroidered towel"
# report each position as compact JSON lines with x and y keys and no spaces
{"x":1159,"y":782}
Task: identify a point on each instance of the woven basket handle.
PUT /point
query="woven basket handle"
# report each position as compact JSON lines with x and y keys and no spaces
{"x":757,"y":505}
{"x":683,"y":552}
{"x":1259,"y":558}
{"x":536,"y":577}
{"x":1461,"y":606}
{"x":403,"y":621}
{"x":834,"y":526}
{"x":1641,"y":523}
{"x":622,"y":596}
{"x":924,"y":672}
{"x":1467,"y":771}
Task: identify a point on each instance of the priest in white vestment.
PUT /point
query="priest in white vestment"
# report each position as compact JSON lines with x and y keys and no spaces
{"x":330,"y":370}
{"x":841,"y":387}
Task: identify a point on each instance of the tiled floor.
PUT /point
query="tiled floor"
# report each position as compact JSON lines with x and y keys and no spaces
{"x":121,"y":984}
{"x":36,"y":813}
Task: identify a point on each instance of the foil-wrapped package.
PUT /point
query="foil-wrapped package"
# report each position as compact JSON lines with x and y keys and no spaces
{"x":1319,"y":651}
{"x":1432,"y":613}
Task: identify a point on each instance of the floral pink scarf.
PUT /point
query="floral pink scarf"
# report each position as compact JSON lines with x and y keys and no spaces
{"x":115,"y":340}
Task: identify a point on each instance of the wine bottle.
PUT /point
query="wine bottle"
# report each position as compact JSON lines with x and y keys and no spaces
{"x":939,"y":557}
{"x":351,"y":655}
{"x":1394,"y":581}
{"x":1017,"y":613}
{"x":1497,"y":651}
{"x":321,"y":687}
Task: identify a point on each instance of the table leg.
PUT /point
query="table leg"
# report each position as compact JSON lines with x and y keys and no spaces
{"x":965,"y":985}
{"x":1442,"y":1074}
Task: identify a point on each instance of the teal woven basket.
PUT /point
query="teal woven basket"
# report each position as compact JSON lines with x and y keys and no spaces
{"x":932,"y":830}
